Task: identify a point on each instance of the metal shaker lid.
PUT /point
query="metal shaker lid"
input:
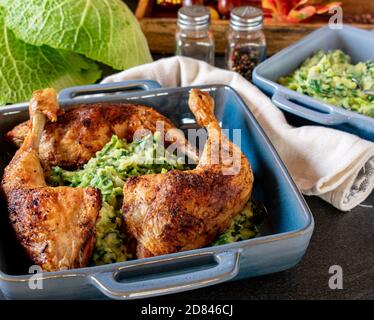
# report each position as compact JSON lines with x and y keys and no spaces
{"x":246,"y":18}
{"x":193,"y":17}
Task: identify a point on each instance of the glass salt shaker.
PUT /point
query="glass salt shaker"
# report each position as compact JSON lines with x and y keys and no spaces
{"x":193,"y":38}
{"x":246,"y":43}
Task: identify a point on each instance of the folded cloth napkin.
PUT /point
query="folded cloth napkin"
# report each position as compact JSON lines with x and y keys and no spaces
{"x":336,"y":166}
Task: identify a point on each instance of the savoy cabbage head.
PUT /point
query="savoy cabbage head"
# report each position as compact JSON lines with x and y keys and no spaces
{"x":56,"y":43}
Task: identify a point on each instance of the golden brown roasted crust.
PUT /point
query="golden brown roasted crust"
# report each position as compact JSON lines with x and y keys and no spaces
{"x":18,"y":134}
{"x":80,"y":132}
{"x":44,"y":101}
{"x":55,"y":226}
{"x":184,"y":210}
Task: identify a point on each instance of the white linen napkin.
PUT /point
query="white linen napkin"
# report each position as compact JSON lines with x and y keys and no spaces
{"x":334,"y":165}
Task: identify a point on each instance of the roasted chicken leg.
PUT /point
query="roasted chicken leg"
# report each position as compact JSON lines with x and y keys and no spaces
{"x":183,"y":210}
{"x":56,"y":226}
{"x":80,"y":132}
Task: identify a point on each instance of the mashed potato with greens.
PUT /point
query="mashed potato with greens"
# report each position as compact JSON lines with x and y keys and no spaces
{"x":328,"y":77}
{"x":108,"y":171}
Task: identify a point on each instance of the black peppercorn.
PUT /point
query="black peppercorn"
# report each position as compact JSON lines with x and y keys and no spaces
{"x":246,"y":43}
{"x":244,"y":60}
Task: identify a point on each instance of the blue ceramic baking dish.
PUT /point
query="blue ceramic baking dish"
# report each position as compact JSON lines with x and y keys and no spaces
{"x":280,"y":247}
{"x":357,"y":43}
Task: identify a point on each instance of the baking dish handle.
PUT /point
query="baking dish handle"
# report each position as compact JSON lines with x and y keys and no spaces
{"x":120,"y":88}
{"x":226,"y":267}
{"x":321,"y":113}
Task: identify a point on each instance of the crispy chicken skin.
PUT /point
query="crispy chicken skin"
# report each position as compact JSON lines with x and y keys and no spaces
{"x":56,"y":226}
{"x":84,"y":130}
{"x":183,"y":210}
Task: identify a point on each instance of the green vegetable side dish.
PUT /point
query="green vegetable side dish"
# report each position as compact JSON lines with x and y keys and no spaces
{"x":110,"y":168}
{"x":244,"y":225}
{"x":327,"y":76}
{"x":107,"y":171}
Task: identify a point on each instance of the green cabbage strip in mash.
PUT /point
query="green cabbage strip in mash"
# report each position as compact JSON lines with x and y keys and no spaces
{"x":244,"y":225}
{"x":328,"y":77}
{"x":110,"y":168}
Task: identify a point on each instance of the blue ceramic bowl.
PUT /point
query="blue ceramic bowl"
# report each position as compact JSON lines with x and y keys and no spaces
{"x":357,"y":43}
{"x":280,"y":248}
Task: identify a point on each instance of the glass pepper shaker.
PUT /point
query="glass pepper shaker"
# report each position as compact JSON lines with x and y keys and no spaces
{"x":246,"y":43}
{"x":193,"y":38}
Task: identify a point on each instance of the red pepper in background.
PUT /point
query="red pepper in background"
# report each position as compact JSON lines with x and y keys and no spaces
{"x":193,"y":2}
{"x":169,"y":3}
{"x":294,"y":11}
{"x":225,"y":7}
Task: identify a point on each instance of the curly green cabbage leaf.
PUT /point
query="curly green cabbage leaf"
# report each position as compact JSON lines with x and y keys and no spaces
{"x":25,"y":68}
{"x":102,"y":30}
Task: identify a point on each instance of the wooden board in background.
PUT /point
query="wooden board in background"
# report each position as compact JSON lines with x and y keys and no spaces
{"x":160,"y":34}
{"x":352,"y":7}
{"x":160,"y":31}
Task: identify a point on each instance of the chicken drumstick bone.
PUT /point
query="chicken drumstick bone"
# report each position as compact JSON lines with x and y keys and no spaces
{"x":184,"y":210}
{"x":55,"y":226}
